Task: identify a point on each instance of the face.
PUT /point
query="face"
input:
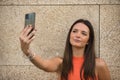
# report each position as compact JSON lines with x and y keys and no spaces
{"x":79,"y":35}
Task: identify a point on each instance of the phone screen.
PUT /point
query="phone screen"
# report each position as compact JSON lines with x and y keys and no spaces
{"x":30,"y":19}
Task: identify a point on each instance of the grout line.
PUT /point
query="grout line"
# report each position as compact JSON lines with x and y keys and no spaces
{"x":16,"y":65}
{"x":51,"y":4}
{"x":99,"y":30}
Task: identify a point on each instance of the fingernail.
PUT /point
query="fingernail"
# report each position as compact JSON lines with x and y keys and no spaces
{"x":30,"y":25}
{"x":27,"y":26}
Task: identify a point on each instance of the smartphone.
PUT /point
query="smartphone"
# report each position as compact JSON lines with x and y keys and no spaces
{"x":30,"y":20}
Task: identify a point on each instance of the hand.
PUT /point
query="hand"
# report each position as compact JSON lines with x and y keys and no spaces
{"x":26,"y":38}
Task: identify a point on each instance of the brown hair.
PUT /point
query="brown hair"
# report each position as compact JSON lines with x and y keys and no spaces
{"x":88,"y":66}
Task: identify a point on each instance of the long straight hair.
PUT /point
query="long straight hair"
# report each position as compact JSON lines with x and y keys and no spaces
{"x":88,"y":68}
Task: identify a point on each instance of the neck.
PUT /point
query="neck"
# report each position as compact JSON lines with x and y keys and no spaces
{"x":78,"y":52}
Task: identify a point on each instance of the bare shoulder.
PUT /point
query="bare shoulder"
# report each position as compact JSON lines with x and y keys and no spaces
{"x":58,"y":62}
{"x":100,"y":62}
{"x":52,"y":64}
{"x":102,"y":69}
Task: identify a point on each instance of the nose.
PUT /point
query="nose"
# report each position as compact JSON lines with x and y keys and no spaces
{"x":78,"y":35}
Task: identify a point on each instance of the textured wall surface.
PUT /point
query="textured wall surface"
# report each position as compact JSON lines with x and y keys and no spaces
{"x":110,"y":38}
{"x":53,"y":20}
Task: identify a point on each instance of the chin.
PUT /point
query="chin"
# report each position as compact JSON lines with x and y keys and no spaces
{"x":77,"y":46}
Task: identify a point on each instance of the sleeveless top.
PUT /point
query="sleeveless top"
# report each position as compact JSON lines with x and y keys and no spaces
{"x":77,"y":65}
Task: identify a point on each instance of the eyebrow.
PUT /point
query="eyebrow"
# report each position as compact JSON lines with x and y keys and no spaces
{"x":82,"y":31}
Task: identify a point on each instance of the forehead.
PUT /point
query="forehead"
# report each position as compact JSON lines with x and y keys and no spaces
{"x":81,"y":26}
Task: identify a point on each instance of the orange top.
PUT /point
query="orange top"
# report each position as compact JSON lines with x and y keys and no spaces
{"x":77,"y":65}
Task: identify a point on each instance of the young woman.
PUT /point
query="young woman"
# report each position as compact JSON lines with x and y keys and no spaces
{"x":79,"y":61}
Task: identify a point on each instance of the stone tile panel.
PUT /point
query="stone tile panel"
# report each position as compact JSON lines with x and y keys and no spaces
{"x":110,"y":34}
{"x":25,"y":73}
{"x":52,"y":24}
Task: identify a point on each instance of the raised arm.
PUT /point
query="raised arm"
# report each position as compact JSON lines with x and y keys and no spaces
{"x":102,"y":69}
{"x":49,"y":65}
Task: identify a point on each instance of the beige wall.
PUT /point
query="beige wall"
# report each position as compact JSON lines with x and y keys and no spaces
{"x":53,"y":20}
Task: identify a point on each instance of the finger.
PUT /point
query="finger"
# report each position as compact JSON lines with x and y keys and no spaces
{"x":31,"y":34}
{"x":31,"y":39}
{"x":23,"y":31}
{"x":24,"y":41}
{"x":28,"y":30}
{"x":35,"y":29}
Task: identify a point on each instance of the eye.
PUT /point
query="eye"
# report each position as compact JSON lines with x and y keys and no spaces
{"x":84,"y":33}
{"x":74,"y":31}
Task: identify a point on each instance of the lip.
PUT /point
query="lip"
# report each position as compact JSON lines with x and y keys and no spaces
{"x":77,"y":40}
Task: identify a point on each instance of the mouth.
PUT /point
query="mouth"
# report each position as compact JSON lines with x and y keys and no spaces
{"x":77,"y":40}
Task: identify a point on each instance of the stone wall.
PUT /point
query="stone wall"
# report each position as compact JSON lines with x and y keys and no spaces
{"x":53,"y":20}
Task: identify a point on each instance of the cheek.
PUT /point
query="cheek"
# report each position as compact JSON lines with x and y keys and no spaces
{"x":71,"y":38}
{"x":86,"y":40}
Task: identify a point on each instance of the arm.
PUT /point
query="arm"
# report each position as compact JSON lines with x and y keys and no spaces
{"x":102,"y":69}
{"x":50,"y":65}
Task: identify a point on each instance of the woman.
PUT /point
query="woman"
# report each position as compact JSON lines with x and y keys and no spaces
{"x":79,"y":61}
